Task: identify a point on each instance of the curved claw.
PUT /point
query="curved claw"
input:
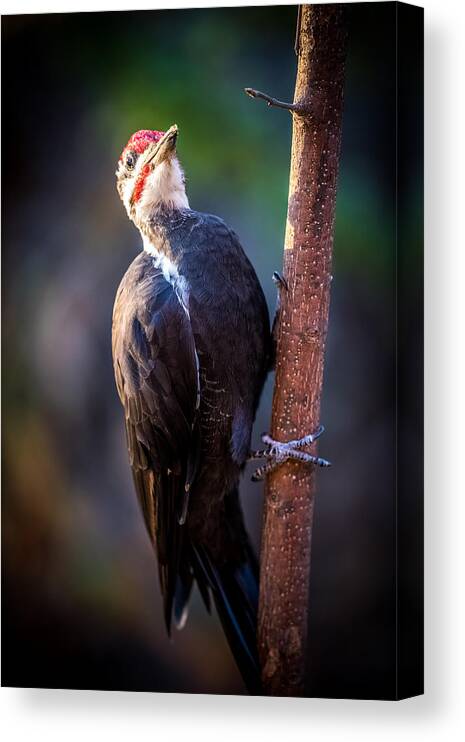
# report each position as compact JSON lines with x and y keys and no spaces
{"x":279,"y":281}
{"x":278,"y":452}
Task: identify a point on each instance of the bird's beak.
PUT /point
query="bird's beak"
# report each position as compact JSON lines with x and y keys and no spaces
{"x":158,"y":152}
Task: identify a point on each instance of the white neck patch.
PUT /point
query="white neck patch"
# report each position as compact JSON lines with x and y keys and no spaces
{"x":170,"y":272}
{"x":180,"y":287}
{"x":164,"y":186}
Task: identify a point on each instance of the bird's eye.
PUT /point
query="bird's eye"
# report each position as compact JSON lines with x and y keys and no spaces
{"x":130,"y":161}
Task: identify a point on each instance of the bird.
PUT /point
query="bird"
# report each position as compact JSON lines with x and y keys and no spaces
{"x":192,"y":347}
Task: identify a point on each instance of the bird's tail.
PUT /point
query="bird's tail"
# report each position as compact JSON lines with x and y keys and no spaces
{"x":234,"y":588}
{"x":231,"y":579}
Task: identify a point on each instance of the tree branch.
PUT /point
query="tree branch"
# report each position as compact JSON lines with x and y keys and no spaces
{"x":293,"y":107}
{"x":301,"y":336}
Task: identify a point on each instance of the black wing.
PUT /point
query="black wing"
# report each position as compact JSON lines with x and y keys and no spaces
{"x":156,"y":369}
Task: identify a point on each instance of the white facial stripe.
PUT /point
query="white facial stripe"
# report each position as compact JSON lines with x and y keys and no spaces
{"x":130,"y":183}
{"x":127,"y":193}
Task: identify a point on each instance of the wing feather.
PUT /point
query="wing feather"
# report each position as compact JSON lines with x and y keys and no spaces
{"x":156,"y":371}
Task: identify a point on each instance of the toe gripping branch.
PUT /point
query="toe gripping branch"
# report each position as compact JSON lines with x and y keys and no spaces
{"x":276,"y":453}
{"x":279,"y":281}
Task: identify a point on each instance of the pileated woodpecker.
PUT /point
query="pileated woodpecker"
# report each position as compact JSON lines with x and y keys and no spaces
{"x":191,"y":350}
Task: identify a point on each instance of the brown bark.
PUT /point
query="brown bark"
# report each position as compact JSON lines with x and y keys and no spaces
{"x":301,"y":337}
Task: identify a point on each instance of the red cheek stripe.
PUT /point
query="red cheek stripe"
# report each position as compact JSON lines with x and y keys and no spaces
{"x":140,"y":183}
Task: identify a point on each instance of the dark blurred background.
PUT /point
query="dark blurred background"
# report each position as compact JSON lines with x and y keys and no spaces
{"x":81,"y":604}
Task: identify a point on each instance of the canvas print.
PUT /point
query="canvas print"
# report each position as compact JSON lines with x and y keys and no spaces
{"x":212,"y":350}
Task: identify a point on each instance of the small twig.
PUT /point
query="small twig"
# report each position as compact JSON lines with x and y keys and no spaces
{"x":293,"y":107}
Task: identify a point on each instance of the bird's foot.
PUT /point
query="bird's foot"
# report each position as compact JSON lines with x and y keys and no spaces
{"x":282,"y":288}
{"x":277,"y":452}
{"x":279,"y":281}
